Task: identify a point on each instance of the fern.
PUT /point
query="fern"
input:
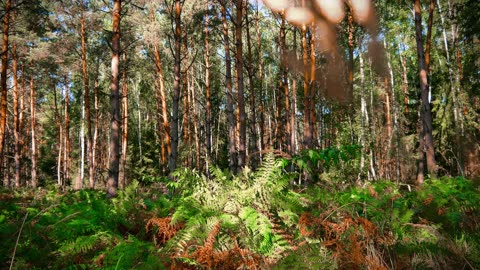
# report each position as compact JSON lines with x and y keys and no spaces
{"x":86,"y":243}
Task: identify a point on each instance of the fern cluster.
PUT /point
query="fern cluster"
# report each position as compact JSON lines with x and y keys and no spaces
{"x":252,"y":208}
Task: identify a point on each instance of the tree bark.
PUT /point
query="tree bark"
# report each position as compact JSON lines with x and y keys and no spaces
{"x":242,"y":119}
{"x":172,"y":162}
{"x":307,"y":135}
{"x":16,"y":118}
{"x":208,"y":94}
{"x":33,"y":123}
{"x":88,"y":117}
{"x":66,"y":147}
{"x":114,"y":148}
{"x":164,"y":109}
{"x":124,"y":141}
{"x":250,"y":73}
{"x":426,"y":150}
{"x":3,"y":82}
{"x":228,"y":80}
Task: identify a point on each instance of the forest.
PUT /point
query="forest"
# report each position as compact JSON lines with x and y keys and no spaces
{"x":240,"y":134}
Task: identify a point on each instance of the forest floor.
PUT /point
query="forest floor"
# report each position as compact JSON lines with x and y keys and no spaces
{"x":256,"y":220}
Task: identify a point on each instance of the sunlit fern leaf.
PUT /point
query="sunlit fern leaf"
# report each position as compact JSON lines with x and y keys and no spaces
{"x":84,"y":244}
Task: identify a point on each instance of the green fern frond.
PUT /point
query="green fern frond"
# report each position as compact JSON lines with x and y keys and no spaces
{"x":84,"y":244}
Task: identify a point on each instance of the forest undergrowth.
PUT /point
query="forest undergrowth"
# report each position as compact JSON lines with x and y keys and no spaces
{"x":258,"y":219}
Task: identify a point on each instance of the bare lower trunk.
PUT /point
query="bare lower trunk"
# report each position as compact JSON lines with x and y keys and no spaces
{"x":307,"y":129}
{"x":250,"y":72}
{"x":242,"y":118}
{"x":3,"y":83}
{"x":124,"y":141}
{"x":208,"y":116}
{"x":228,"y":79}
{"x":88,"y":118}
{"x":112,"y":182}
{"x":16,"y":119}
{"x":426,"y":150}
{"x":66,"y":147}
{"x":172,"y":162}
{"x":33,"y":123}
{"x":95,"y":129}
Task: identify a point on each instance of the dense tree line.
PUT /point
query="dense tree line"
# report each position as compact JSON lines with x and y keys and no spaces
{"x":121,"y":90}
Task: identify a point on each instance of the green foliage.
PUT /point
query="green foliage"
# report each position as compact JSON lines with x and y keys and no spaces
{"x":337,"y":159}
{"x":254,"y":218}
{"x":248,"y":205}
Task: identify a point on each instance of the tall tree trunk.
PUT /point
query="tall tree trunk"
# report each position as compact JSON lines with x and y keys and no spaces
{"x":81,"y":175}
{"x":195,"y":126}
{"x":426,"y":150}
{"x":66,"y":147}
{"x":351,"y":43}
{"x":112,"y":182}
{"x":124,"y":141}
{"x":164,"y":109}
{"x":3,"y":82}
{"x":172,"y":162}
{"x":364,"y":117}
{"x":307,"y":129}
{"x":284,"y":90}
{"x":88,"y":117}
{"x":251,"y":82}
{"x":403,"y":61}
{"x":242,"y":118}
{"x":97,"y":120}
{"x":58,"y":124}
{"x":293,"y":116}
{"x":261,"y":143}
{"x":311,"y":82}
{"x":395,"y":131}
{"x":16,"y":119}
{"x":228,"y":80}
{"x":208,"y":94}
{"x":33,"y":102}
{"x":20,"y":117}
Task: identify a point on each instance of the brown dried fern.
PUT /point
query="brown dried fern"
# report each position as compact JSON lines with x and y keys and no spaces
{"x":165,"y":230}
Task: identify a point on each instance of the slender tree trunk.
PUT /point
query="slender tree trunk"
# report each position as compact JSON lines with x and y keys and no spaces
{"x":228,"y":80}
{"x":195,"y":126}
{"x":112,"y":182}
{"x":208,"y":94}
{"x":426,"y":149}
{"x":285,"y":90}
{"x":242,"y":118}
{"x":307,"y":135}
{"x":80,"y":177}
{"x":3,"y":82}
{"x":16,"y":120}
{"x":395,"y":131}
{"x":33,"y":123}
{"x":159,"y":125}
{"x":20,"y":119}
{"x":172,"y":162}
{"x":261,"y":143}
{"x":164,"y":110}
{"x":58,"y":124}
{"x":351,"y":43}
{"x":250,"y":72}
{"x":293,"y":116}
{"x":97,"y":120}
{"x":311,"y":82}
{"x":364,"y":117}
{"x":123,"y":160}
{"x":67,"y":148}
{"x":88,"y":117}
